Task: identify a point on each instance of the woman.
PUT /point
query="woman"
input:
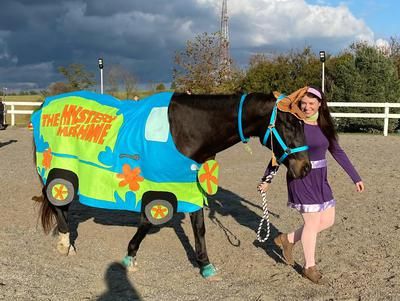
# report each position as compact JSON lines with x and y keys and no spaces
{"x":312,"y":195}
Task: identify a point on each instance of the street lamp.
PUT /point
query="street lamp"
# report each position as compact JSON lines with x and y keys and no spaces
{"x":4,"y":111}
{"x":322,"y":60}
{"x":101,"y":74}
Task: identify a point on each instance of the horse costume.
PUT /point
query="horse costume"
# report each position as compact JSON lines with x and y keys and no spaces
{"x":151,"y":156}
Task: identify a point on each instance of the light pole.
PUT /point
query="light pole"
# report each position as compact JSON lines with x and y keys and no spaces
{"x":101,"y":74}
{"x":4,"y":121}
{"x":5,"y":93}
{"x":322,"y":60}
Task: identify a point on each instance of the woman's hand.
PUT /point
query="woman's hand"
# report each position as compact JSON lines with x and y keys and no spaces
{"x":263,"y":187}
{"x":360,"y":186}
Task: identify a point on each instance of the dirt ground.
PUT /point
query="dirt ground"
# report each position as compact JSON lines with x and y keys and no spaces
{"x":359,"y":256}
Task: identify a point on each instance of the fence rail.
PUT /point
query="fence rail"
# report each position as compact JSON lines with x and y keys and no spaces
{"x":14,"y":112}
{"x":385,"y":115}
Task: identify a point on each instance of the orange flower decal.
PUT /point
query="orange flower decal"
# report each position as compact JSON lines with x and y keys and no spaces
{"x":47,"y":156}
{"x":130,"y":177}
{"x":209,"y":177}
{"x":159,"y":211}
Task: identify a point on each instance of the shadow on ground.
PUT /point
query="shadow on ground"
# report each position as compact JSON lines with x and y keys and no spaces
{"x":118,"y":285}
{"x":2,"y":144}
{"x":224,"y":203}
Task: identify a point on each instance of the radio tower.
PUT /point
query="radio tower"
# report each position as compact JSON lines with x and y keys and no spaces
{"x":225,"y":60}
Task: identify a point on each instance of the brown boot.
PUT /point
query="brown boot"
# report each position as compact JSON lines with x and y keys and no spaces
{"x":313,"y":274}
{"x":287,"y":247}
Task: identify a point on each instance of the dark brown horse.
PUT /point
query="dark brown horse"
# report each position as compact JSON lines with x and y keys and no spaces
{"x":202,"y":126}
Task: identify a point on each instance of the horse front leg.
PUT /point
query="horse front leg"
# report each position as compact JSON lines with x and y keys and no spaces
{"x":207,"y":269}
{"x":144,"y":227}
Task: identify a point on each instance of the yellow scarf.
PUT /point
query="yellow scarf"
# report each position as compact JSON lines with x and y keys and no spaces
{"x":313,"y":117}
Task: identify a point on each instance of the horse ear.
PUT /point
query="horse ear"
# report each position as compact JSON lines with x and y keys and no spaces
{"x":276,"y":94}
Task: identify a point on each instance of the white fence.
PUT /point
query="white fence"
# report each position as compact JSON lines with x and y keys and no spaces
{"x":385,"y":115}
{"x":14,"y":112}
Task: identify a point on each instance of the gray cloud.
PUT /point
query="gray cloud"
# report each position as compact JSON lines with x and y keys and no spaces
{"x":143,"y":35}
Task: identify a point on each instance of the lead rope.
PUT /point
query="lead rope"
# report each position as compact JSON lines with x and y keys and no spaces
{"x":265,"y":216}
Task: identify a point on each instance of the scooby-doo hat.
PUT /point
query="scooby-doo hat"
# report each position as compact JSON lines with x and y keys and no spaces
{"x":291,"y":103}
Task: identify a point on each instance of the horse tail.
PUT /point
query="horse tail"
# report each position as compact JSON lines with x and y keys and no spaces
{"x":47,"y":214}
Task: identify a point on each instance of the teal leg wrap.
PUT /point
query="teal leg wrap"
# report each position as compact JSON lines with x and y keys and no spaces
{"x":127,"y":261}
{"x":208,"y":270}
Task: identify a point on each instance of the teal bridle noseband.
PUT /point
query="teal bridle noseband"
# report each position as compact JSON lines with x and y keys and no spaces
{"x":271,"y":130}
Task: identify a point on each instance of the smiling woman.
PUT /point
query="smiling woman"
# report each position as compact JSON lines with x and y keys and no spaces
{"x":312,"y":195}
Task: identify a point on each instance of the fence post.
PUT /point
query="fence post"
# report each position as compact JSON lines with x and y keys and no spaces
{"x":12,"y":115}
{"x":386,"y":122}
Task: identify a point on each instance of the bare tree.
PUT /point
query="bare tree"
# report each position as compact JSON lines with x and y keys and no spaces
{"x":77,"y":76}
{"x":117,"y":77}
{"x":198,"y":67}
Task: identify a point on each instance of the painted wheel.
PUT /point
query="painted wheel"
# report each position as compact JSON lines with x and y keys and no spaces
{"x":159,"y":211}
{"x":208,"y":176}
{"x":60,"y":192}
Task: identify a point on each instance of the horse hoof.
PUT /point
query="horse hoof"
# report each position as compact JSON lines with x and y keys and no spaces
{"x":63,"y":244}
{"x":62,"y":249}
{"x":130,"y":263}
{"x":209,"y":272}
{"x":214,"y":278}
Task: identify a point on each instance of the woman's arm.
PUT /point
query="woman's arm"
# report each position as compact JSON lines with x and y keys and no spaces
{"x":340,"y":156}
{"x":270,"y":170}
{"x":269,"y":174}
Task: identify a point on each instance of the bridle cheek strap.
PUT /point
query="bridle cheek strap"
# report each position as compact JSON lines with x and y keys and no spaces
{"x":271,"y":131}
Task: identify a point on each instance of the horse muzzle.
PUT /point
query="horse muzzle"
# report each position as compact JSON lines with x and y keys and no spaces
{"x":298,"y":168}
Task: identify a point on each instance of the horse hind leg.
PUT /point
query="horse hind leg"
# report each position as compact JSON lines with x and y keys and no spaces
{"x":64,"y":245}
{"x":129,"y":260}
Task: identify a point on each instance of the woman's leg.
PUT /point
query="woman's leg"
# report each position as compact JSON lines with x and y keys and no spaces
{"x":326,"y":221}
{"x":309,"y":236}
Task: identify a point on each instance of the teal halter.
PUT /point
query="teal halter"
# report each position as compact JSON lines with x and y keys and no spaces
{"x":240,"y":112}
{"x":270,"y":130}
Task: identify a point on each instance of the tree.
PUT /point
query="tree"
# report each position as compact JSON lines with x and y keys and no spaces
{"x":58,"y":88}
{"x":285,"y":72}
{"x":395,"y":53}
{"x":362,"y":73}
{"x":118,"y":76}
{"x":77,"y":76}
{"x":198,"y":67}
{"x":160,"y":87}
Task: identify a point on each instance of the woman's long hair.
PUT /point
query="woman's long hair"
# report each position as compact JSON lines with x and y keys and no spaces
{"x":325,"y":120}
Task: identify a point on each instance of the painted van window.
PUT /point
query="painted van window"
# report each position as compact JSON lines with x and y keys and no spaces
{"x":157,"y":125}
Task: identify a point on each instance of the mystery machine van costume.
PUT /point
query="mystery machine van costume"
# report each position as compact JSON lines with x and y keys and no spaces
{"x":117,"y":155}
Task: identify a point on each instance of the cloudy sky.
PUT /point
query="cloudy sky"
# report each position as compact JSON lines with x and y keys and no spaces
{"x":38,"y":36}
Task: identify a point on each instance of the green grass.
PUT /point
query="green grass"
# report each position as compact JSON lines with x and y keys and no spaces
{"x":27,"y":98}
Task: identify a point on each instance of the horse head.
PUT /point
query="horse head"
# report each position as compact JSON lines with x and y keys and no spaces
{"x":290,"y":133}
{"x":285,"y":134}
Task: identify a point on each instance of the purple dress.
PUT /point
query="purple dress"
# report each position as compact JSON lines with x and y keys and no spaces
{"x":313,"y":193}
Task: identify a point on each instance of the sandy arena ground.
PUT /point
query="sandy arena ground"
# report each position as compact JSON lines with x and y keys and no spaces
{"x":360,"y":255}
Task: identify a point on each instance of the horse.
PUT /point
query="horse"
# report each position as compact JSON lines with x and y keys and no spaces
{"x":201,"y":127}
